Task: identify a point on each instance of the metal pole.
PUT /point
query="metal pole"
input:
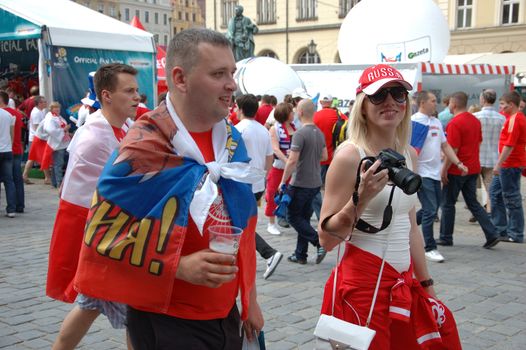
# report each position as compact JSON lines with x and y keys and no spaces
{"x":287,"y":31}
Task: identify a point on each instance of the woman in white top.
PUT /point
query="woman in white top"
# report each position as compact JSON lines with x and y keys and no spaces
{"x":380,"y":119}
{"x":58,"y":140}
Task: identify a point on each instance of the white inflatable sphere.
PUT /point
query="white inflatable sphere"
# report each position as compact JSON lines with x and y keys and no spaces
{"x":266,"y":75}
{"x":394,"y":31}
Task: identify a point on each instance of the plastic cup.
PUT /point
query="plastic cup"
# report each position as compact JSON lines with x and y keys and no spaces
{"x":224,"y":238}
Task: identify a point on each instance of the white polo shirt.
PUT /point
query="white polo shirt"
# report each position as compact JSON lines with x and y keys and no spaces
{"x":6,"y":121}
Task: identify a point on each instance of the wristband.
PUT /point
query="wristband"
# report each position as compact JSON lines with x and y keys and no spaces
{"x":427,"y":283}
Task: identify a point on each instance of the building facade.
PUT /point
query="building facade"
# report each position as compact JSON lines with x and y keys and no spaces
{"x":306,"y":31}
{"x":186,"y":14}
{"x":155,"y":15}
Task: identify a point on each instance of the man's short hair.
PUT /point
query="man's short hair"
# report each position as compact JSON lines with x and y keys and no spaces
{"x":513,"y":97}
{"x":265,"y":99}
{"x":39,"y":99}
{"x":489,"y":96}
{"x":461,"y":99}
{"x":273,"y":100}
{"x":182,"y":50}
{"x":248,"y":104}
{"x":4,"y":97}
{"x":282,"y":112}
{"x":34,"y":91}
{"x":422,"y":96}
{"x":445,"y":100}
{"x":106,"y":77}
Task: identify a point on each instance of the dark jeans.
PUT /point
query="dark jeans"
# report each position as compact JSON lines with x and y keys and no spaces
{"x":58,"y":164}
{"x":468,"y":186}
{"x":299,"y":212}
{"x":429,"y":196}
{"x":262,"y":247}
{"x":506,"y":203}
{"x":6,"y":176}
{"x":317,"y":202}
{"x":151,"y":331}
{"x":19,"y":183}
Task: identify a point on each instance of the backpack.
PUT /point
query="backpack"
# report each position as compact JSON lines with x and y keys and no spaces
{"x":339,"y":131}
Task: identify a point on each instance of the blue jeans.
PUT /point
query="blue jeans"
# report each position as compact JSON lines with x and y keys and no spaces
{"x":58,"y":164}
{"x":506,"y":203}
{"x":6,"y":176}
{"x":468,"y":186}
{"x":429,"y":196}
{"x":299,"y":212}
{"x":317,"y":202}
{"x":19,"y":183}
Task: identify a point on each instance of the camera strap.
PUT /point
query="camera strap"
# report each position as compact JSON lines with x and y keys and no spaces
{"x":388,"y":211}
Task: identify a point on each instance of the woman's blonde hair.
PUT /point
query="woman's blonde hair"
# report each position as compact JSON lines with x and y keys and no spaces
{"x":54,"y":104}
{"x":357,"y":130}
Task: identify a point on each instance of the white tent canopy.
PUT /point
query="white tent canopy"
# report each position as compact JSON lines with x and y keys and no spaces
{"x":72,"y":25}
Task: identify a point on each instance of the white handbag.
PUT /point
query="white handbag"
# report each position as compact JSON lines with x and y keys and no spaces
{"x":332,"y":333}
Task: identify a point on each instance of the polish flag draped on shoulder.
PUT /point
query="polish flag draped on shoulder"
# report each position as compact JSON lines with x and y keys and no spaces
{"x":147,"y":193}
{"x":89,"y":150}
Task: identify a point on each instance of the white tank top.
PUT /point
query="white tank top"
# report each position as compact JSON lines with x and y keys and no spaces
{"x":397,"y":254}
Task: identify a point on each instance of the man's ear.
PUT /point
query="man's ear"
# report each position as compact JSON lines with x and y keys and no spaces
{"x":106,"y":97}
{"x":179,"y":78}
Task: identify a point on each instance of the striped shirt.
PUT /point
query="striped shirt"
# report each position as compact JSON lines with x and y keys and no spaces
{"x":491,"y":122}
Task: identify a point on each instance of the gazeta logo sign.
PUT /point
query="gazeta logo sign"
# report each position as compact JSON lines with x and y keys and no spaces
{"x":414,"y":54}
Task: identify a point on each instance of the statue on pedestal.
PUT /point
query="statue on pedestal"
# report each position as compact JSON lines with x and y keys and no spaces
{"x":241,"y":32}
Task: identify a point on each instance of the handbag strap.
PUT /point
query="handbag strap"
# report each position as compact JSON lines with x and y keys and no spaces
{"x":377,"y":287}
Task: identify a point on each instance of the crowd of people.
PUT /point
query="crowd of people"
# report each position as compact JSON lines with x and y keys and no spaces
{"x":142,"y":189}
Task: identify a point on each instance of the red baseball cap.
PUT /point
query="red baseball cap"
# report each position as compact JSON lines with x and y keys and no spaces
{"x":375,"y":77}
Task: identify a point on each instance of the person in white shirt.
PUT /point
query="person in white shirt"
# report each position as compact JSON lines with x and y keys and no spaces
{"x":429,"y":165}
{"x":7,"y":125}
{"x":37,"y":116}
{"x":58,"y":140}
{"x":259,"y":149}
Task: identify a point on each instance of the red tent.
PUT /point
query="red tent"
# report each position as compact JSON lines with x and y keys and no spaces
{"x":161,"y":59}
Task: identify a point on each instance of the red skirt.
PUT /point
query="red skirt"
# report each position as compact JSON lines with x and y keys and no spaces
{"x":47,"y":158}
{"x":36,"y":152}
{"x":273,"y":179}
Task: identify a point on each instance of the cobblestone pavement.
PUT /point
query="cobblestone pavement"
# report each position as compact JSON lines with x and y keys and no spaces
{"x":486,"y":289}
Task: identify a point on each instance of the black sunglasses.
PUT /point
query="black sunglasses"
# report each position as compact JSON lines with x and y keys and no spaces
{"x":398,"y":93}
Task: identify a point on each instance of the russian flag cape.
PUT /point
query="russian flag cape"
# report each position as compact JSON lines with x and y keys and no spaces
{"x":138,"y":219}
{"x":418,"y":135}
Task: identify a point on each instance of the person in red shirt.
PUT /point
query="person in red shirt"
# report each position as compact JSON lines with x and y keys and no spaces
{"x":18,"y":151}
{"x":505,"y":190}
{"x":464,"y":135}
{"x":264,"y":109}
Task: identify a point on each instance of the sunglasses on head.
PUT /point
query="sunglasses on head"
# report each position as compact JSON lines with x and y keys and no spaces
{"x":398,"y":93}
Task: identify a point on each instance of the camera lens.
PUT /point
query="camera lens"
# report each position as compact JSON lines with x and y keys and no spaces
{"x":407,"y":180}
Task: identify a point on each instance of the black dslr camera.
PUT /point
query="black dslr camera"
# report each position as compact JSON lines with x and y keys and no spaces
{"x":395,"y":164}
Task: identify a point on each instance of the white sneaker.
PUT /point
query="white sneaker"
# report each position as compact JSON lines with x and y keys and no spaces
{"x":435,"y":256}
{"x":273,"y":229}
{"x":272,"y":263}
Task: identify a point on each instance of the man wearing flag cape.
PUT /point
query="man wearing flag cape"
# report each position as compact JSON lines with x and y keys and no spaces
{"x":180,"y":169}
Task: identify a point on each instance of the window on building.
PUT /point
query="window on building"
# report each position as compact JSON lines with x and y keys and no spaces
{"x":126,"y":14}
{"x":268,"y":53}
{"x":266,"y":11}
{"x":464,"y":13}
{"x":165,"y":19}
{"x":227,"y":11}
{"x":156,"y":18}
{"x":510,"y":11}
{"x":165,"y":40}
{"x":146,"y":17}
{"x":193,"y":17}
{"x":156,"y":38}
{"x":306,"y":10}
{"x":346,"y":6}
{"x":180,"y":15}
{"x":306,"y":57}
{"x":137,"y":14}
{"x":186,"y":16}
{"x":101,"y":7}
{"x":112,"y":10}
